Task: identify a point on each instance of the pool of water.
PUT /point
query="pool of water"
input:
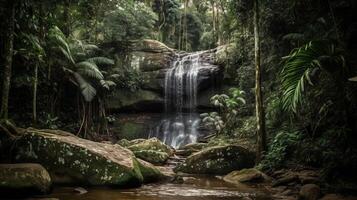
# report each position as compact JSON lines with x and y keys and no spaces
{"x":193,"y":188}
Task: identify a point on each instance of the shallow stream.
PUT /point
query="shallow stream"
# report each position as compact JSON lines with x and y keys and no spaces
{"x":193,"y":188}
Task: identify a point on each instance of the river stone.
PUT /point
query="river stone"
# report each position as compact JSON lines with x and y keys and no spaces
{"x":82,"y":160}
{"x":338,"y":197}
{"x":246,"y":175}
{"x":191,"y":148}
{"x":218,"y":160}
{"x":24,"y":178}
{"x":309,"y":192}
{"x":150,"y":172}
{"x":155,"y":157}
{"x":127,"y":143}
{"x":151,"y":150}
{"x":152,"y":144}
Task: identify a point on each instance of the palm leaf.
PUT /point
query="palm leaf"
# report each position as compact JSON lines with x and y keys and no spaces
{"x":298,"y":67}
{"x":107,"y":84}
{"x":87,"y":90}
{"x":101,"y":61}
{"x":89,"y":69}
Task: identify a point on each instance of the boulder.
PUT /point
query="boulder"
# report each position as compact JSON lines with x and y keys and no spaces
{"x":338,"y":197}
{"x":126,"y":143}
{"x":191,"y":148}
{"x":246,"y":175}
{"x":77,"y":160}
{"x":24,"y":178}
{"x":151,"y":150}
{"x":217,"y":160}
{"x":309,"y":192}
{"x":150,"y":172}
{"x":152,"y":144}
{"x":155,"y":157}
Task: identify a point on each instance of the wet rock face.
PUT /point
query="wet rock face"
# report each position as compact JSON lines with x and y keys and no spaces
{"x":153,"y":59}
{"x":24,"y":178}
{"x":217,"y":160}
{"x":76,"y":160}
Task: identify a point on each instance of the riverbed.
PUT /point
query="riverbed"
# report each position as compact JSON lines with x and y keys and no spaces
{"x":193,"y":188}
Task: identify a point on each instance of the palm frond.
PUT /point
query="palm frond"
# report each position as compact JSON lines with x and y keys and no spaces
{"x":87,"y":90}
{"x":89,"y":69}
{"x":59,"y":39}
{"x":107,"y":84}
{"x":298,"y":67}
{"x":101,"y":61}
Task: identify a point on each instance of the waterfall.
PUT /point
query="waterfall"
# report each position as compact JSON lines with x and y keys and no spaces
{"x":181,"y":86}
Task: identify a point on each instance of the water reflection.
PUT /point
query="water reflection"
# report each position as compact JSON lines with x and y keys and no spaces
{"x":194,"y":188}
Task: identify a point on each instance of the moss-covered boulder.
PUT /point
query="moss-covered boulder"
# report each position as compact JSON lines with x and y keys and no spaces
{"x":127,"y":143}
{"x":251,"y":175}
{"x":153,"y":144}
{"x":80,"y":160}
{"x":155,"y":157}
{"x":217,"y":160}
{"x":151,"y":150}
{"x":150,"y":172}
{"x":191,"y":148}
{"x":24,"y":178}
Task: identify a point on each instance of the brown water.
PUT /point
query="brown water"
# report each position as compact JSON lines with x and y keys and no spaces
{"x":198,"y":188}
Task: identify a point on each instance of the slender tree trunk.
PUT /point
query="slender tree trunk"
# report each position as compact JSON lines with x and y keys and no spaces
{"x":8,"y":46}
{"x":261,"y":134}
{"x":66,"y":29}
{"x":214,"y":20}
{"x":34,"y":98}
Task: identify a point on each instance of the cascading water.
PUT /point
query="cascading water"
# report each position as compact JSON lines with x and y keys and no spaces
{"x":181,"y":124}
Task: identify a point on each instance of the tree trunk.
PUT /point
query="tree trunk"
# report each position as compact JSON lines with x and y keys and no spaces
{"x":34,"y":98}
{"x":8,"y":46}
{"x":261,"y":134}
{"x":214,"y":20}
{"x":66,"y":29}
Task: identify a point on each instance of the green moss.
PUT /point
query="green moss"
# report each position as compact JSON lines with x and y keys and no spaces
{"x":152,"y":156}
{"x":217,"y":160}
{"x":149,"y":172}
{"x":80,"y":164}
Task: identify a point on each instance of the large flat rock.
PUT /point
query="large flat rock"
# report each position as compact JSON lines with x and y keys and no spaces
{"x":80,"y":160}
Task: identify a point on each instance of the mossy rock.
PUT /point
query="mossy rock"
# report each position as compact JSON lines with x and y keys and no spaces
{"x":81,"y":160}
{"x":155,"y":157}
{"x":191,"y":148}
{"x":217,"y":160}
{"x":127,"y":143}
{"x":152,"y":144}
{"x":149,"y":172}
{"x":251,"y":175}
{"x":24,"y":178}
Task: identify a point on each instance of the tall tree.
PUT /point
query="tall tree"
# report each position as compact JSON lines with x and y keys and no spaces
{"x":261,"y":134}
{"x":7,"y":52}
